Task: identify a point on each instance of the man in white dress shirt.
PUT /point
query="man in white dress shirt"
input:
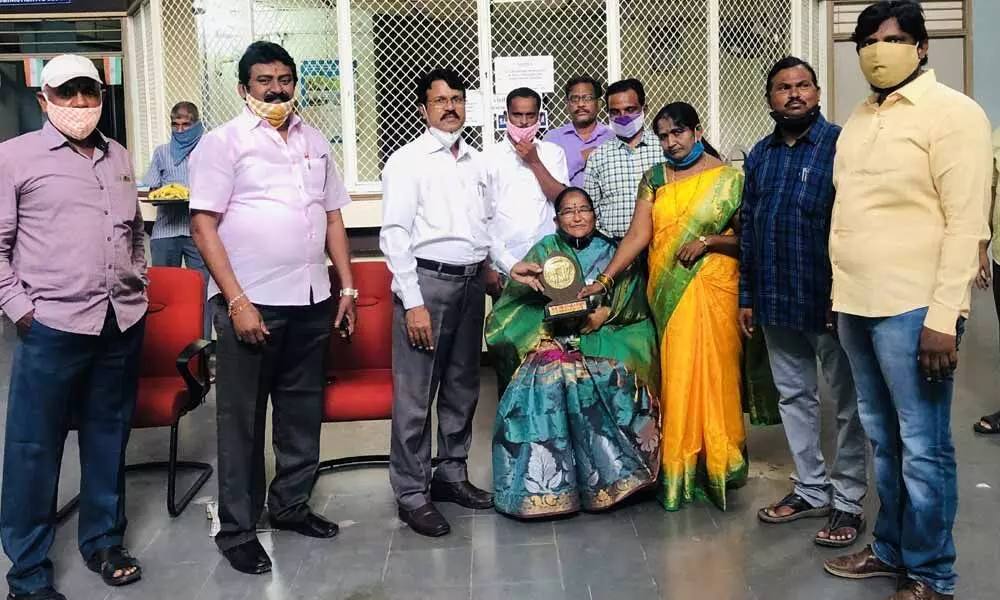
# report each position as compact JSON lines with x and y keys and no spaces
{"x":434,"y":237}
{"x":523,"y":176}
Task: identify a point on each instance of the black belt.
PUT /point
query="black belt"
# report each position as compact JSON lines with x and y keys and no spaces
{"x":458,"y":270}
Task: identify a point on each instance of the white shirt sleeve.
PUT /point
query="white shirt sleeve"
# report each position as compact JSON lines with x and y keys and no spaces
{"x":400,"y":196}
{"x":558,"y":168}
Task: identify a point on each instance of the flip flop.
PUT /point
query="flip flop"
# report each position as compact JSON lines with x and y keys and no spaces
{"x":840,"y":520}
{"x":992,"y":420}
{"x":107,"y":561}
{"x":801,"y":509}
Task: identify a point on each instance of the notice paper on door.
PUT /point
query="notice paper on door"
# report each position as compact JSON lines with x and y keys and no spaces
{"x":535,"y":72}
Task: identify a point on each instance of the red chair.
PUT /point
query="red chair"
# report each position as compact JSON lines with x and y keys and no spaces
{"x":174,"y":378}
{"x":359,"y":371}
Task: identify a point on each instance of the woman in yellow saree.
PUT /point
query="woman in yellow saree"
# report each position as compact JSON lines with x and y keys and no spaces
{"x":684,"y":215}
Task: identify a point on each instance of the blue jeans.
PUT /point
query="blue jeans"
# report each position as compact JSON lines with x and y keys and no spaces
{"x":168,"y":252}
{"x":58,"y":377}
{"x":908,"y":421}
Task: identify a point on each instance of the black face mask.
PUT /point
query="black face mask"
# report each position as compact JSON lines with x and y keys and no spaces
{"x":796,"y":124}
{"x":575,"y":242}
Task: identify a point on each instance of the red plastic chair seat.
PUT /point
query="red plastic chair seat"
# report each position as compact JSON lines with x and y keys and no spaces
{"x":160,"y":400}
{"x":358,"y":395}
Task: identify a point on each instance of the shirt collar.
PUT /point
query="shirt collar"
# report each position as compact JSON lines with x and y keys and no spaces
{"x":812,"y":136}
{"x":913,"y":91}
{"x":429,"y":144}
{"x":648,"y":139}
{"x":599,"y":130}
{"x":56,"y":139}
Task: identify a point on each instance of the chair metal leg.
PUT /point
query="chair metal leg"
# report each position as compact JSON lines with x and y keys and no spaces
{"x":347,"y":462}
{"x":175,"y":506}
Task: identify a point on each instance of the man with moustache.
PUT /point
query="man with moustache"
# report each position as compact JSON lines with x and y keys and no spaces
{"x":523,"y":176}
{"x":73,"y":280}
{"x":435,"y":240}
{"x":266,"y":199}
{"x":785,"y":288}
{"x":613,"y":171}
{"x":912,"y":172}
{"x":584,"y":133}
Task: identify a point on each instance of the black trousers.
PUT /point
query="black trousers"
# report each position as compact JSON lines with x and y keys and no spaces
{"x":289,"y":370}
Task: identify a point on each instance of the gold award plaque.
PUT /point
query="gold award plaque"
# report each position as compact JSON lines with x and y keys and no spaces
{"x":559,"y":272}
{"x":563,"y":281}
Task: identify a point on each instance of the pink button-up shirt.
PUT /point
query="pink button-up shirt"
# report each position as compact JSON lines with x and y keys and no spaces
{"x":71,"y":234}
{"x":274,"y":197}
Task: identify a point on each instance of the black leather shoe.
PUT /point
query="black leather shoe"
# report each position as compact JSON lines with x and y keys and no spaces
{"x":312,"y":525}
{"x":42,"y":594}
{"x":425,"y":520}
{"x":462,"y":493}
{"x":249,"y":557}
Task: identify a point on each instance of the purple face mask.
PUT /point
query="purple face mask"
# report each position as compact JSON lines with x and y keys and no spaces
{"x":626,"y":126}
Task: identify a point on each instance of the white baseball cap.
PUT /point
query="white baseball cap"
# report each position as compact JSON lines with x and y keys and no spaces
{"x":64,"y":67}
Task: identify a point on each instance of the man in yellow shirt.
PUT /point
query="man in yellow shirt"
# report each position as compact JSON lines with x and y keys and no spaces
{"x":989,"y":272}
{"x":912,"y":173}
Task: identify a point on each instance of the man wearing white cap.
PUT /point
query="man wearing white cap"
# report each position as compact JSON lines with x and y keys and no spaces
{"x":73,"y":280}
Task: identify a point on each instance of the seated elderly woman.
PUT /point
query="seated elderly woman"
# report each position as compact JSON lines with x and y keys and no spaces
{"x":578,"y":425}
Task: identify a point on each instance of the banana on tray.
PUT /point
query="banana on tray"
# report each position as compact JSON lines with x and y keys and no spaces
{"x":171,"y":191}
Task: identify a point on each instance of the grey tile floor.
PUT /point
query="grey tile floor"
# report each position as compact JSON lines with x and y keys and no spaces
{"x":638,"y":552}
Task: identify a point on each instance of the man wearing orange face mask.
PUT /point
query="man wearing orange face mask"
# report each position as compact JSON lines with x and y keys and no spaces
{"x":266,"y":196}
{"x":73,"y":280}
{"x":912,"y":173}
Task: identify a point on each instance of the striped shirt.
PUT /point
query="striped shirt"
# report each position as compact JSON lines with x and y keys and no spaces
{"x":612,"y":180}
{"x":173,"y":220}
{"x":788,"y":197}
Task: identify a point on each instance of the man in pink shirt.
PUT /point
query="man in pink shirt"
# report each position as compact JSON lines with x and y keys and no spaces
{"x":73,"y":280}
{"x":265,"y":200}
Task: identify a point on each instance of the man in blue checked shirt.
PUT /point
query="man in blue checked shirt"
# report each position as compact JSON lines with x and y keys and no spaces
{"x":785,"y":280}
{"x":171,"y":241}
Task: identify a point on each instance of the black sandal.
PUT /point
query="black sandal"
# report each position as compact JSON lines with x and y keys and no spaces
{"x":801,"y":509}
{"x":107,"y":561}
{"x":993,"y":421}
{"x":842,"y":520}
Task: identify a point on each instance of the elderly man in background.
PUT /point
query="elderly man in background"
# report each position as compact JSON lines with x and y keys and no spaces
{"x":73,"y":279}
{"x":584,"y":133}
{"x":171,"y":244}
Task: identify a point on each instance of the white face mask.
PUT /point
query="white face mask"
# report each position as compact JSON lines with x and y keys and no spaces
{"x":446,"y":139}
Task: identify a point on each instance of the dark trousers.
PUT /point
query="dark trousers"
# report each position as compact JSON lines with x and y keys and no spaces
{"x":57,"y":377}
{"x":450,"y":372}
{"x":289,"y":369}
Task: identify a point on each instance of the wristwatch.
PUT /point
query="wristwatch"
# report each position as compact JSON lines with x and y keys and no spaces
{"x":703,"y":240}
{"x":353,"y":293}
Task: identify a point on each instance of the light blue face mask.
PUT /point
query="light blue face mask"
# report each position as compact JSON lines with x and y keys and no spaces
{"x":696,"y":151}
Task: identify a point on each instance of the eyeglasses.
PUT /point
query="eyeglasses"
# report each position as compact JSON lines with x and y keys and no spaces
{"x":586,"y":99}
{"x":441,"y":102}
{"x":572,"y":212}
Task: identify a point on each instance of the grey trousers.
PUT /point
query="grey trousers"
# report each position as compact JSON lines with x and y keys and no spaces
{"x":451,"y":372}
{"x":289,"y":369}
{"x":793,"y":357}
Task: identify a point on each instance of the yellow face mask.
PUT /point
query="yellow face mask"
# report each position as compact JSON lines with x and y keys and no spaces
{"x":887,"y":65}
{"x":274,"y":113}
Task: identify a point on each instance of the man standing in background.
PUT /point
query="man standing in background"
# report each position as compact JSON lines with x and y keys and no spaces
{"x":613,"y":171}
{"x":584,"y":133}
{"x":523,"y":176}
{"x":171,"y":243}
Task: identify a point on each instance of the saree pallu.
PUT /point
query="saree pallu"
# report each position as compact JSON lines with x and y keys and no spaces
{"x":578,"y":426}
{"x":701,"y":347}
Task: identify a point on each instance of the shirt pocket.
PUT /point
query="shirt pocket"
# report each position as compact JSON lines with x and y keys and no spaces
{"x":124,"y":198}
{"x":814,"y":190}
{"x":315,"y":177}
